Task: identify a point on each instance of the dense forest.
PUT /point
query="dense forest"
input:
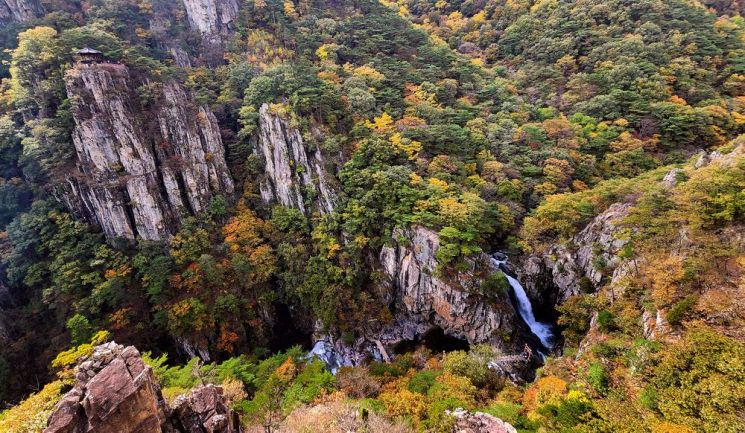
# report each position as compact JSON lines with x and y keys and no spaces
{"x":337,"y":210}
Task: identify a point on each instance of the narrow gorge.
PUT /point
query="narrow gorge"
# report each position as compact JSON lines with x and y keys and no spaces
{"x":265,"y":216}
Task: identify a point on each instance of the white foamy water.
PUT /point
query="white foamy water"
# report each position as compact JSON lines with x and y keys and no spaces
{"x":525,"y":308}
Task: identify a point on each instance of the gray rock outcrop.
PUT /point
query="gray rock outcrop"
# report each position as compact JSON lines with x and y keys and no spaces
{"x":212,"y":20}
{"x":136,"y":178}
{"x":425,"y":303}
{"x":210,"y":17}
{"x":116,"y":392}
{"x":588,"y":258}
{"x":20,"y":10}
{"x":478,"y":422}
{"x":424,"y":299}
{"x":293,"y":177}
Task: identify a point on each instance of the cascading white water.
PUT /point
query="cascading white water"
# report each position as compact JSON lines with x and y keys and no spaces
{"x":525,"y":308}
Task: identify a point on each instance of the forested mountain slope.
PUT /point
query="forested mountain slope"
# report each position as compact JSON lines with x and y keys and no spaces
{"x":230,"y":183}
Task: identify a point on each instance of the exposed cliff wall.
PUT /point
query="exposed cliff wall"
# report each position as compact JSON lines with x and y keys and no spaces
{"x":560,"y":272}
{"x":19,"y":10}
{"x":116,"y":392}
{"x":136,"y":178}
{"x":212,"y":20}
{"x":210,"y":17}
{"x":427,"y":300}
{"x":422,"y":301}
{"x":293,"y":178}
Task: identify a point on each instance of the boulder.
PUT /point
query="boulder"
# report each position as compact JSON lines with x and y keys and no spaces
{"x":479,"y":422}
{"x":204,"y":410}
{"x":116,"y":392}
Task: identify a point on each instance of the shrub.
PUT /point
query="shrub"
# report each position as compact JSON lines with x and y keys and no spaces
{"x":681,"y":309}
{"x":357,"y":382}
{"x":475,"y":366}
{"x":585,"y":285}
{"x":80,"y":329}
{"x":422,"y":381}
{"x":495,"y":286}
{"x":597,"y":377}
{"x":31,"y":415}
{"x":382,"y":369}
{"x":312,"y":381}
{"x":606,"y":322}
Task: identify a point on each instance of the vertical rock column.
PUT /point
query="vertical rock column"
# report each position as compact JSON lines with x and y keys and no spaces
{"x":290,"y":172}
{"x":119,"y":183}
{"x":140,"y":171}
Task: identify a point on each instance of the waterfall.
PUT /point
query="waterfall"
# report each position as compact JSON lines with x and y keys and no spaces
{"x":525,"y":308}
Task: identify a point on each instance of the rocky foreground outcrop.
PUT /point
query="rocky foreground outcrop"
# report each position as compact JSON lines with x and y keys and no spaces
{"x":116,"y":392}
{"x":140,"y":170}
{"x":479,"y":422}
{"x":293,"y":178}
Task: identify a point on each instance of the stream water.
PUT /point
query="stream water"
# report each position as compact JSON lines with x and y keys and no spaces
{"x":525,"y":308}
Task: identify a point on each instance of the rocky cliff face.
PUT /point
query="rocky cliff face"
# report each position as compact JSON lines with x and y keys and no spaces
{"x":211,"y":17}
{"x":428,"y":300}
{"x":587,"y":260}
{"x":136,"y":178}
{"x":19,"y":10}
{"x":116,"y":392}
{"x":213,"y":20}
{"x":422,"y":301}
{"x":293,"y":178}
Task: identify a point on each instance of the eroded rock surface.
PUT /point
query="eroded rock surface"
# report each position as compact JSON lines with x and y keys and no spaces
{"x":140,"y":171}
{"x":210,"y":17}
{"x":450,"y":303}
{"x":423,"y":302}
{"x":116,"y":392}
{"x":293,"y":177}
